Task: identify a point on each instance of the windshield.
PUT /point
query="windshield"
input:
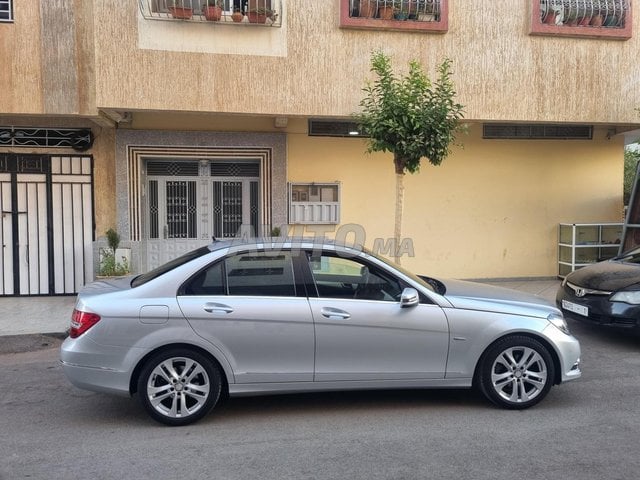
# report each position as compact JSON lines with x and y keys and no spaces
{"x":162,"y":269}
{"x":632,"y":256}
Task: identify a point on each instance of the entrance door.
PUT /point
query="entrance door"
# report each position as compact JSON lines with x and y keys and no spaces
{"x":191,"y":202}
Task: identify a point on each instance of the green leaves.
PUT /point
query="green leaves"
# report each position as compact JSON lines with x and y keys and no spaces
{"x":410,"y":116}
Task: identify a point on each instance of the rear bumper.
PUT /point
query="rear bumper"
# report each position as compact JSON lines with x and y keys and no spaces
{"x":99,"y":368}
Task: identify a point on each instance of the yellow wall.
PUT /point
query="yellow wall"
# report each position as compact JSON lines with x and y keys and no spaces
{"x":489,"y":211}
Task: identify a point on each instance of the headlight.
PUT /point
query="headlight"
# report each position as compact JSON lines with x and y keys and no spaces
{"x":632,"y":297}
{"x":559,"y":322}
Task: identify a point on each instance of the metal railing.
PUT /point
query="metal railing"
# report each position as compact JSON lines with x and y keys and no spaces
{"x":584,"y":13}
{"x":227,"y":12}
{"x":409,"y":10}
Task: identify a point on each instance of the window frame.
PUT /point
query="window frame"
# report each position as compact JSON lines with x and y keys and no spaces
{"x":8,"y":10}
{"x":299,"y":287}
{"x":612,"y":33}
{"x":441,"y":26}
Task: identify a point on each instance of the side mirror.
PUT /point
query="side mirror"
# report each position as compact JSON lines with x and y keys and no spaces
{"x":409,"y":298}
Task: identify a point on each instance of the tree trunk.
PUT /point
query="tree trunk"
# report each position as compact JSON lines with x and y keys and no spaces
{"x":399,"y":164}
{"x":397,"y":231}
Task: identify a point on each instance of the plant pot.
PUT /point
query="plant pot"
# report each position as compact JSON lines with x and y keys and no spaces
{"x":584,"y":21}
{"x":181,"y":13}
{"x":212,"y":14}
{"x":550,"y":18}
{"x":385,"y":13}
{"x":237,"y":17}
{"x":401,"y":16}
{"x":596,"y":20}
{"x":257,"y":17}
{"x":367,"y":8}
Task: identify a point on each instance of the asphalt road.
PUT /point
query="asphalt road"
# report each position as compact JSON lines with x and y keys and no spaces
{"x":588,"y":429}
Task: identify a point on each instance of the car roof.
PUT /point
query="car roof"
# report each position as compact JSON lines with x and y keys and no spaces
{"x":281,"y":242}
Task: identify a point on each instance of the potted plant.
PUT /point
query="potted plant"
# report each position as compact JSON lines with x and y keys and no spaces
{"x":212,"y":10}
{"x":401,"y":10}
{"x":386,"y":10}
{"x":259,"y":15}
{"x":180,"y":10}
{"x":110,"y":266}
{"x":367,"y":8}
{"x":237,"y":15}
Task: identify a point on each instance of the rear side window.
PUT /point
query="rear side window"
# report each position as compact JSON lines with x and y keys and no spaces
{"x":249,"y":274}
{"x":167,"y":267}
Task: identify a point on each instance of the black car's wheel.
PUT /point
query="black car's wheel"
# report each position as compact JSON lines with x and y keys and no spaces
{"x":516,"y":372}
{"x":179,"y":386}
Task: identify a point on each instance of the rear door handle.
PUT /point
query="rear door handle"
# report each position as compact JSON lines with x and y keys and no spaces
{"x":217,"y":308}
{"x":334,"y":313}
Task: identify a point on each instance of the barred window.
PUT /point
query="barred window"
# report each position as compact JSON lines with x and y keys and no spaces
{"x":6,"y":11}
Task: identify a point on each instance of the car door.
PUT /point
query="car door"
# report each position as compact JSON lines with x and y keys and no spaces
{"x":247,"y":305}
{"x":362,"y":332}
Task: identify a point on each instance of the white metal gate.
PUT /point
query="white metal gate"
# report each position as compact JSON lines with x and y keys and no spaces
{"x":47,"y":224}
{"x":189,"y":202}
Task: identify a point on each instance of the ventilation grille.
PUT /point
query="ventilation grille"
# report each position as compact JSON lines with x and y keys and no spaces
{"x":334,"y":128}
{"x":235,"y":169}
{"x":78,"y":139}
{"x":537,"y":131}
{"x":173,"y":169}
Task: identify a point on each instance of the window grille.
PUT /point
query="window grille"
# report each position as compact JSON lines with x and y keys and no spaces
{"x":402,"y":10}
{"x":584,"y":13}
{"x":314,"y":203}
{"x":78,"y":139}
{"x":6,"y":11}
{"x":537,"y":132}
{"x":217,"y":12}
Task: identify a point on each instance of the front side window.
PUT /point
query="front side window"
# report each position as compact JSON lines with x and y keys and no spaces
{"x":6,"y":11}
{"x":337,"y":277}
{"x":249,"y":274}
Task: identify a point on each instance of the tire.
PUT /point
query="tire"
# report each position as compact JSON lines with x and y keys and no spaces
{"x":179,"y":386}
{"x":516,"y":372}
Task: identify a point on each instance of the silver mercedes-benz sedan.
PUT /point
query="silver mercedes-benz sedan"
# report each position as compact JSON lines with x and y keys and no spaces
{"x":273,"y":316}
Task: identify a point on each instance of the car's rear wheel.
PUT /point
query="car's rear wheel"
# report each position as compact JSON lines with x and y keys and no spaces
{"x":179,"y":386}
{"x":516,"y":372}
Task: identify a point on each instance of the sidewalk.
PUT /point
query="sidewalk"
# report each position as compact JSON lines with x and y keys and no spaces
{"x":37,"y":315}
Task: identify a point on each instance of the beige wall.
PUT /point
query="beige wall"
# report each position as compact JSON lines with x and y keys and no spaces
{"x":501,"y":72}
{"x":490,"y":210}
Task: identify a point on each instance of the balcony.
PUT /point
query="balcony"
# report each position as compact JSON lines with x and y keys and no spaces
{"x":401,"y":15}
{"x":250,"y":13}
{"x":582,"y":18}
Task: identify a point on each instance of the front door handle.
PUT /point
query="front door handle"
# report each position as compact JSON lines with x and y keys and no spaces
{"x":335,"y":313}
{"x":217,"y":308}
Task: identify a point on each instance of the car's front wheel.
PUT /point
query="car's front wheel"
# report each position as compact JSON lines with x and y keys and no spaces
{"x":516,"y":372}
{"x":179,"y":386}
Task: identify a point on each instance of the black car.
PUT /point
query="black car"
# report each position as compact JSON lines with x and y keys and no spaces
{"x":605,"y":293}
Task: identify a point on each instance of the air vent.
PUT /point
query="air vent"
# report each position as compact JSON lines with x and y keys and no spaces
{"x":78,"y":139}
{"x":334,"y":128}
{"x":173,"y":169}
{"x":537,"y":132}
{"x":235,"y":169}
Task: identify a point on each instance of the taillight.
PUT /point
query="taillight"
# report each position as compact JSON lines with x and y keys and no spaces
{"x":81,"y":322}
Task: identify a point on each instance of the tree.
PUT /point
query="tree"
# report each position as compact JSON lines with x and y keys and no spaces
{"x":411,"y":118}
{"x":631,"y":159}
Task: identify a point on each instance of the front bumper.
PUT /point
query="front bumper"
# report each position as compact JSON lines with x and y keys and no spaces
{"x":599,"y":310}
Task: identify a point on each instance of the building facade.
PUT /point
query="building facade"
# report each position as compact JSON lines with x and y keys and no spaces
{"x":173,"y":123}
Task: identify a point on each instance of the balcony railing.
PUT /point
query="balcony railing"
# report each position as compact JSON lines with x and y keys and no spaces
{"x":223,"y":12}
{"x":591,"y":18}
{"x":396,"y":14}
